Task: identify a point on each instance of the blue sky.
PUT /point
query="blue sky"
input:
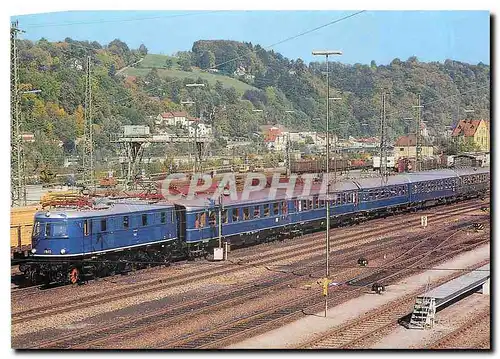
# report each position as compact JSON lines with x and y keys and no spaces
{"x":372,"y":35}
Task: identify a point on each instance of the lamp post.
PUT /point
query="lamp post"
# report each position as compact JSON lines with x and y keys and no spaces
{"x":326,"y":53}
{"x":287,"y":149}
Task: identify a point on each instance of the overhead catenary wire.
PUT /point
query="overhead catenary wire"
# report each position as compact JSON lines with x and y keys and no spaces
{"x":293,"y":37}
{"x":122,"y":20}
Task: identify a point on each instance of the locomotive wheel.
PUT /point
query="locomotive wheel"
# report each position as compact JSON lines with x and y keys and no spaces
{"x":74,"y":275}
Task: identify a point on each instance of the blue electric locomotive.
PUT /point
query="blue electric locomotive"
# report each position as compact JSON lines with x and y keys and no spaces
{"x":70,"y":244}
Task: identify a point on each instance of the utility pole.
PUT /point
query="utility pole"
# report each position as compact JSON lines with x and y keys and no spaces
{"x":288,"y":165}
{"x":327,"y":270}
{"x":418,"y":146}
{"x":88,"y":149}
{"x":18,"y":179}
{"x":220,"y":221}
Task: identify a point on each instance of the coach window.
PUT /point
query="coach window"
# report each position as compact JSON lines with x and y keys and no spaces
{"x":103,"y":225}
{"x":304,"y":205}
{"x":163,"y":217}
{"x":321,"y":203}
{"x":86,"y":227}
{"x":266,"y":210}
{"x":284,"y":208}
{"x":236,"y":214}
{"x":144,"y":219}
{"x":125,"y":222}
{"x":316,"y":201}
{"x":275,"y":208}
{"x":246,"y":212}
{"x":197,"y":221}
{"x":212,"y":218}
{"x":224,"y":217}
{"x":203,"y":219}
{"x":256,"y":212}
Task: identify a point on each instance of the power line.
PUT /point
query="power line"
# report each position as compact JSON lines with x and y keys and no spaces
{"x":294,"y":37}
{"x":122,"y":20}
{"x":441,"y":99}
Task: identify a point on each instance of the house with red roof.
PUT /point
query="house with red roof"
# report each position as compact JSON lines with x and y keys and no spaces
{"x":473,"y":131}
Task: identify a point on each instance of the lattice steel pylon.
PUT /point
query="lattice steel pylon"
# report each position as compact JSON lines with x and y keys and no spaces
{"x":18,"y":179}
{"x":383,"y":142}
{"x":88,"y":142}
{"x":418,"y":142}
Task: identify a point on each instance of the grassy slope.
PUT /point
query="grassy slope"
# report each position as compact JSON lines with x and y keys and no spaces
{"x":158,"y":61}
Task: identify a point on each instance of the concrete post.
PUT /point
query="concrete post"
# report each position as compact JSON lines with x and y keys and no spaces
{"x":485,"y":289}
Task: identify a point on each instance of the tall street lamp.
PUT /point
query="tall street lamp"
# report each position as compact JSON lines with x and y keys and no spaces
{"x":326,"y":53}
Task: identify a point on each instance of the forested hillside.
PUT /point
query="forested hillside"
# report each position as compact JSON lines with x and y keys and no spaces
{"x":248,"y":77}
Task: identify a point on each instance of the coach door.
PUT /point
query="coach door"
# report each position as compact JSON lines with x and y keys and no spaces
{"x":87,"y":236}
{"x":181,"y":222}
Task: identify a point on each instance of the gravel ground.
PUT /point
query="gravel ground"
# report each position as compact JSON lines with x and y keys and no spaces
{"x":447,"y":320}
{"x":300,"y":331}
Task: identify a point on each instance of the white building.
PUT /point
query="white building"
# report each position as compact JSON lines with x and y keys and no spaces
{"x":278,"y":143}
{"x":199,"y":128}
{"x":172,"y":119}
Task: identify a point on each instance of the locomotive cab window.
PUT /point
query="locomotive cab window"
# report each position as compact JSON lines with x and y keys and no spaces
{"x":48,"y":228}
{"x":60,"y":230}
{"x":36,"y":229}
{"x":103,"y":225}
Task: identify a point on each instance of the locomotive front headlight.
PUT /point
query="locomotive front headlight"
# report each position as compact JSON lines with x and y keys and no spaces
{"x":33,"y":250}
{"x":63,"y":251}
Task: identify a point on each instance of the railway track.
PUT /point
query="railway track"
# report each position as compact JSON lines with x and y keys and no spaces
{"x":175,"y":313}
{"x":214,"y":337}
{"x":225,"y":334}
{"x":158,"y":285}
{"x":366,"y":329}
{"x":469,"y":336}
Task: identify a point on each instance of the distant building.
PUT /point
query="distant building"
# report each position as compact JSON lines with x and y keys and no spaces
{"x":473,"y":131}
{"x":201,"y":129}
{"x":172,"y":119}
{"x":240,"y":71}
{"x":28,"y":137}
{"x":406,"y":146}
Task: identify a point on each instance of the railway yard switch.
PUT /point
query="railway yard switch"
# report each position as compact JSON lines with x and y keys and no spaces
{"x":378,"y":288}
{"x":363,"y":262}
